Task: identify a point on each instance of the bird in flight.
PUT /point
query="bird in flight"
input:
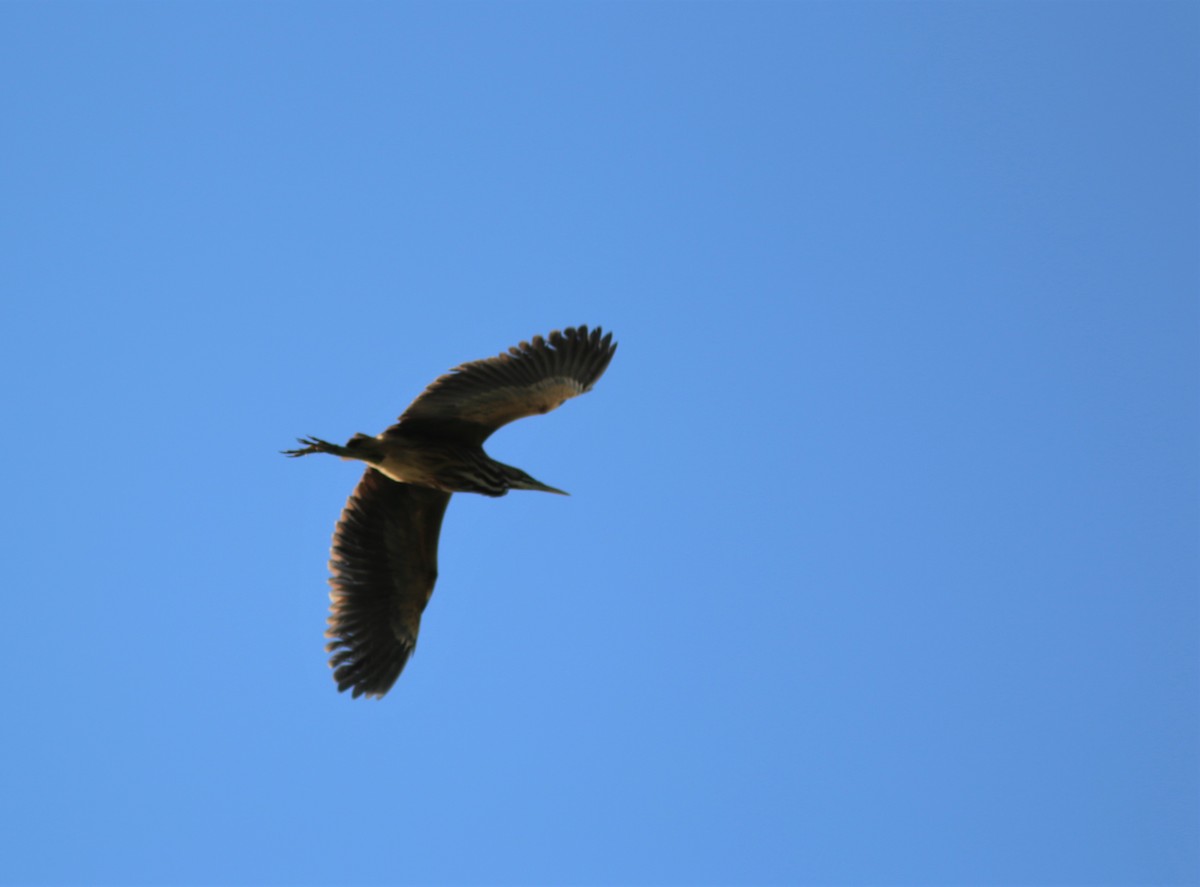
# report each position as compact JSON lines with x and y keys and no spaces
{"x":383,"y":562}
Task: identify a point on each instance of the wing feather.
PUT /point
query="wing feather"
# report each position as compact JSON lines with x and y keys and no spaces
{"x":383,"y":566}
{"x":473,"y":400}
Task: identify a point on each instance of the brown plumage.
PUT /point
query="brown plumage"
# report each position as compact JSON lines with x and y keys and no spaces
{"x":384,"y":557}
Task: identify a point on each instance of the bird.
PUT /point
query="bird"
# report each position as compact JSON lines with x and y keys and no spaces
{"x":383,"y":560}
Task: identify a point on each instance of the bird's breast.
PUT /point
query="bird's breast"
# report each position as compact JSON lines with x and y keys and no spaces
{"x":431,"y":464}
{"x":409,"y":467}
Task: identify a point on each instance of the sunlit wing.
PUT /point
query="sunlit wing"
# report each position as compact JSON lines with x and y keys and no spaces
{"x":384,"y":566}
{"x":473,"y":400}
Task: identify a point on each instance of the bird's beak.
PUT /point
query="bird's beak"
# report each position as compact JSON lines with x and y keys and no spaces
{"x":532,"y":484}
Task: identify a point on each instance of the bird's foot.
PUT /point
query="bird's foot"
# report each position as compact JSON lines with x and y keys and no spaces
{"x":311,"y":445}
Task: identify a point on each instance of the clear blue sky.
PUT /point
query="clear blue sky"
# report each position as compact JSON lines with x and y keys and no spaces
{"x":881,"y":564}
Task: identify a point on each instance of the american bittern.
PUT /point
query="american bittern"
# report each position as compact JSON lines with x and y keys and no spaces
{"x":384,"y":557}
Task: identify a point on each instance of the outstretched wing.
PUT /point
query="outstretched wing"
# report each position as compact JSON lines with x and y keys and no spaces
{"x":473,"y":400}
{"x":384,"y":566}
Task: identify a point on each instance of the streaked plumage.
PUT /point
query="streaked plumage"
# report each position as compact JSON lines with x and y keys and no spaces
{"x":384,"y":557}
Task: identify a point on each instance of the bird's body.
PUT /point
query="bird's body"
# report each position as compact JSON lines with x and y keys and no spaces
{"x":384,"y":558}
{"x":439,"y":464}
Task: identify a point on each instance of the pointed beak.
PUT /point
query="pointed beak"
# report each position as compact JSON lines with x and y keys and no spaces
{"x":530,"y":484}
{"x":519,"y":480}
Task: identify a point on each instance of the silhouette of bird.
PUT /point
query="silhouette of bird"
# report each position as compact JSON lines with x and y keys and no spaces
{"x":383,"y":562}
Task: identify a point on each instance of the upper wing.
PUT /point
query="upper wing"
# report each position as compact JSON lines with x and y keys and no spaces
{"x":473,"y":400}
{"x":384,"y":566}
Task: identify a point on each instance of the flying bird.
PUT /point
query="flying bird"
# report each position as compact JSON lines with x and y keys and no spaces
{"x":383,"y":563}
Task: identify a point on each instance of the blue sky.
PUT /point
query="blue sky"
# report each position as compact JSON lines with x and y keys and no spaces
{"x":881,"y":564}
